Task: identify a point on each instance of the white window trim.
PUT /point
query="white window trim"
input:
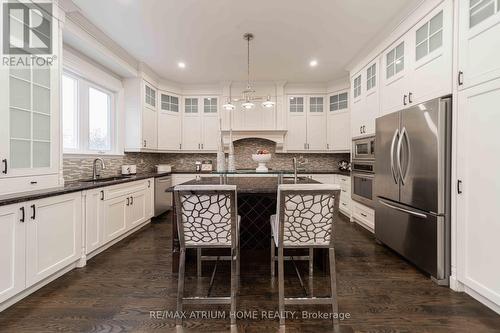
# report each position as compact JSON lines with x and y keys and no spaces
{"x":83,"y":125}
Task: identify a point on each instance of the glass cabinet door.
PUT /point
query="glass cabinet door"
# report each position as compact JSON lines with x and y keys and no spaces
{"x":29,"y":105}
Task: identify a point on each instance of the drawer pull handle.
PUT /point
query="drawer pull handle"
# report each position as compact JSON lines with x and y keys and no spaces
{"x":363,"y":214}
{"x":33,"y":182}
{"x":344,"y":204}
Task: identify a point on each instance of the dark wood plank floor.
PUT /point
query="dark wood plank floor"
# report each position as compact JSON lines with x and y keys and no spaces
{"x":117,"y":290}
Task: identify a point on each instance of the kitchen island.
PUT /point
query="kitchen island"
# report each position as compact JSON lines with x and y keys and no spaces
{"x":257,"y":197}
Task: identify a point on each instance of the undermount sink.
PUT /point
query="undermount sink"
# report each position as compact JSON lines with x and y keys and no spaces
{"x":102,"y":180}
{"x":291,"y":180}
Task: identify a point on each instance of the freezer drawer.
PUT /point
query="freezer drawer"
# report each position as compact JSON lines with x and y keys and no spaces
{"x":416,"y":235}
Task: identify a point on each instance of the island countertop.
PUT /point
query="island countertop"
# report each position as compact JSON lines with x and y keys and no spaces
{"x":248,"y":185}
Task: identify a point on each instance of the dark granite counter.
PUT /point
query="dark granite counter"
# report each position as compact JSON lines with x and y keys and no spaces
{"x":71,"y":187}
{"x":248,"y":185}
{"x":271,"y":172}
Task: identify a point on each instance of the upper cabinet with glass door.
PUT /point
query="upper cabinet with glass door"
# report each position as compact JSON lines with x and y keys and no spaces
{"x":479,"y":45}
{"x":431,"y":62}
{"x":149,"y":96}
{"x":29,"y":117}
{"x":338,"y":102}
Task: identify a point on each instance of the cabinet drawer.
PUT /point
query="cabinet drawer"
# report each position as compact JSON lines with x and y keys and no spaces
{"x":364,"y":215}
{"x":116,"y":191}
{"x":28,"y":183}
{"x":345,"y":207}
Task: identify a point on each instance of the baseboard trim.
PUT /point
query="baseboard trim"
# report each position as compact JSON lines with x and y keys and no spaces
{"x":480,"y":298}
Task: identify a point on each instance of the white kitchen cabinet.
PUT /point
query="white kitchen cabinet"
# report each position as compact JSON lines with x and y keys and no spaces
{"x":431,"y":64}
{"x":478,"y":224}
{"x":363,"y":215}
{"x":306,"y":123}
{"x":479,"y":45}
{"x":53,"y":235}
{"x":115,"y":217}
{"x":200,"y":120}
{"x":137,"y":206}
{"x":338,"y":123}
{"x":141,"y":115}
{"x":94,"y":217}
{"x":395,"y":79}
{"x":12,"y":251}
{"x":30,"y":123}
{"x":365,"y":106}
{"x":169,"y":123}
{"x":150,"y":198}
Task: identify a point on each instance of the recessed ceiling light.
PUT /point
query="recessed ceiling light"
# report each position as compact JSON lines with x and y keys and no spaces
{"x":313,"y":63}
{"x":181,"y":65}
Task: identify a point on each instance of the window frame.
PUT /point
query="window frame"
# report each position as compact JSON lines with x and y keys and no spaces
{"x":83,"y":126}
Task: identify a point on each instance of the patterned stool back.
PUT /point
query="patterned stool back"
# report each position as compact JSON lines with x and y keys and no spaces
{"x":206,"y":215}
{"x":306,"y":213}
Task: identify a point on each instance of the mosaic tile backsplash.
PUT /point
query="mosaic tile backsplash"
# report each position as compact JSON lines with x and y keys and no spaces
{"x":75,"y":168}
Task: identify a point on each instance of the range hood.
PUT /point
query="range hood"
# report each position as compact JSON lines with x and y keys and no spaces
{"x":278,"y":136}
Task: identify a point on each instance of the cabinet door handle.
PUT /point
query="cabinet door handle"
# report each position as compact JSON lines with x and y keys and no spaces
{"x":149,"y":183}
{"x":180,"y":146}
{"x":33,"y":209}
{"x":202,"y":146}
{"x":344,"y":204}
{"x":22,"y":214}
{"x":363,"y":214}
{"x":131,"y":200}
{"x":128,"y":201}
{"x":144,"y":143}
{"x":409,"y":97}
{"x":5,"y":166}
{"x":327,"y":146}
{"x":459,"y":187}
{"x":460,"y":78}
{"x":404,"y":99}
{"x":102,"y":195}
{"x":360,"y":129}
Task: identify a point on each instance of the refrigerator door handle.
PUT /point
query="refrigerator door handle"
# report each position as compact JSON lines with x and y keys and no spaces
{"x":405,"y":134}
{"x":398,"y":155}
{"x":393,"y":143}
{"x":417,"y":214}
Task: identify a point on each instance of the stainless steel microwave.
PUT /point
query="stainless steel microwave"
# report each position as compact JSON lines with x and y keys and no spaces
{"x":363,"y":148}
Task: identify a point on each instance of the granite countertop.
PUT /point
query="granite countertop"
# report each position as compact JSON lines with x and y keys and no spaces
{"x":325,"y":172}
{"x":247,"y":185}
{"x":71,"y":187}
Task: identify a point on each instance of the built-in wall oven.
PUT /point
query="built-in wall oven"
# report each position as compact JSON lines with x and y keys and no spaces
{"x":363,"y":166}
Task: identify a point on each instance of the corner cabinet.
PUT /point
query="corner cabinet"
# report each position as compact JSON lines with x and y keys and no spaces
{"x":200,"y":123}
{"x":30,"y":155}
{"x":141,"y":115}
{"x":306,"y":124}
{"x":169,"y":122}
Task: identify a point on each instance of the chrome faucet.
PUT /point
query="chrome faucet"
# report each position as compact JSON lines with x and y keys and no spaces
{"x":295,"y":169}
{"x":95,"y":174}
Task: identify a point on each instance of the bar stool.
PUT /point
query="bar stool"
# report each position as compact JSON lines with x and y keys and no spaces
{"x":207,"y":218}
{"x":305,"y":218}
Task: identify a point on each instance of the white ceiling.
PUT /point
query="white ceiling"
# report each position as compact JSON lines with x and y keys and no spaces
{"x":207,"y":35}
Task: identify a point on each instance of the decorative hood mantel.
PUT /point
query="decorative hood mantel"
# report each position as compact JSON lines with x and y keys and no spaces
{"x":277,"y":136}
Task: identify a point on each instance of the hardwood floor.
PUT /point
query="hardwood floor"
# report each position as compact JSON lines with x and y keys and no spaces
{"x":119,"y":288}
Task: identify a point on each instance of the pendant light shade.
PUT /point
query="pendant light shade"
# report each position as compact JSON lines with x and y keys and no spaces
{"x":268,"y":103}
{"x":228,"y":105}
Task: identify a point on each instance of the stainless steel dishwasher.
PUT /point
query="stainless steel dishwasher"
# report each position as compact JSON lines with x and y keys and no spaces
{"x":163,"y":199}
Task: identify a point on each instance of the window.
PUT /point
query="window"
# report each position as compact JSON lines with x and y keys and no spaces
{"x":99,"y":120}
{"x":169,"y":103}
{"x":191,"y":105}
{"x":429,"y":37}
{"x":70,"y":112}
{"x":150,"y":96}
{"x":395,"y":60}
{"x":371,"y":77}
{"x":338,"y":102}
{"x":480,"y":10}
{"x":316,"y":104}
{"x":296,"y":104}
{"x":210,"y":105}
{"x":357,"y":86}
{"x":88,"y":117}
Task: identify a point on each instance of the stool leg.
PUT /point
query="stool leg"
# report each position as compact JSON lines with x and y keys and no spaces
{"x":333,"y":281}
{"x":234,"y":283}
{"x":281,"y":285}
{"x":273,"y":259}
{"x":311,"y":262}
{"x":198,"y":262}
{"x":180,"y":285}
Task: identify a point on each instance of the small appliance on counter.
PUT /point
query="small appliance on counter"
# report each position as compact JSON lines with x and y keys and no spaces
{"x":163,"y":168}
{"x":133,"y":169}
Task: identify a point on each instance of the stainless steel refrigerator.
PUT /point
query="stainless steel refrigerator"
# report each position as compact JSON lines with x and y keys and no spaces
{"x":412,"y":185}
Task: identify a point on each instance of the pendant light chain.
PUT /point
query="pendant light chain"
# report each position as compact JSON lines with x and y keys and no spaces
{"x":248,"y":61}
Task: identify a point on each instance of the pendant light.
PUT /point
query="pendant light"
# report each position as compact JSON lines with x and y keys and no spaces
{"x":268,"y":103}
{"x":248,"y":103}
